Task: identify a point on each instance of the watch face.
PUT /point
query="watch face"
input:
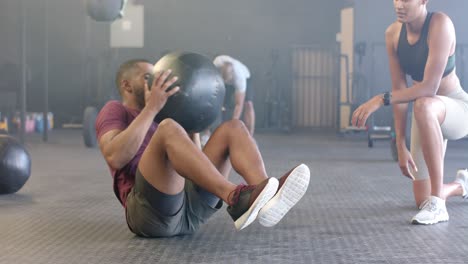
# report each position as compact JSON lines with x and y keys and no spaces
{"x":386,"y":98}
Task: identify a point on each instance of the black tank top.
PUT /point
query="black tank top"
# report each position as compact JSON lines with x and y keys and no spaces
{"x":413,"y":58}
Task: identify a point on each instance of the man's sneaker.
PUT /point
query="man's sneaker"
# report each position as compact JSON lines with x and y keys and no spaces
{"x":462,"y":179}
{"x":292,"y":186}
{"x":432,"y":211}
{"x":247,"y":200}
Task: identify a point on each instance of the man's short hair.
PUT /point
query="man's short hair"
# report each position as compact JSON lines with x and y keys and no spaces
{"x":125,"y":69}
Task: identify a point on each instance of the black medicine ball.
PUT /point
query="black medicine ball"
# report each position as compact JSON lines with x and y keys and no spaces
{"x":198,"y":103}
{"x":105,"y":10}
{"x":15,"y":165}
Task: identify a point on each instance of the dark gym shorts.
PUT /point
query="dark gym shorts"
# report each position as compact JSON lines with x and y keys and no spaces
{"x":143,"y":210}
{"x":249,"y":93}
{"x":226,"y":114}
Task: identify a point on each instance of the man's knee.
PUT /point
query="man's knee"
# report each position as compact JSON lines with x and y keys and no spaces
{"x":233,"y":125}
{"x":169,"y":127}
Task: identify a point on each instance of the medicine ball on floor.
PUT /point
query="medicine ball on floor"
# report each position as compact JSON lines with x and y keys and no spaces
{"x":15,"y":165}
{"x":198,"y":103}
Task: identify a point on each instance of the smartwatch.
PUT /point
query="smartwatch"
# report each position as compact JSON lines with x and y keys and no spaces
{"x":386,"y":98}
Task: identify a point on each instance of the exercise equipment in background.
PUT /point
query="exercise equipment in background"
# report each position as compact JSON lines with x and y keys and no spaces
{"x":89,"y":127}
{"x":15,"y":165}
{"x":105,"y":10}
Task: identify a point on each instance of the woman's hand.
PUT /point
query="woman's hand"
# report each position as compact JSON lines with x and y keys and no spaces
{"x":406,"y":162}
{"x":362,"y":113}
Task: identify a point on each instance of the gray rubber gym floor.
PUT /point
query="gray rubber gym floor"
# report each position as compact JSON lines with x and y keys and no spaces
{"x":357,"y":210}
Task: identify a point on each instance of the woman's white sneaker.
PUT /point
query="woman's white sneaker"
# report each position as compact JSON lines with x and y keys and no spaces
{"x":462,"y":179}
{"x":432,"y":211}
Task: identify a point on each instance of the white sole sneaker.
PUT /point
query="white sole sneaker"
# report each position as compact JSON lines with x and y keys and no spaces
{"x":432,"y":212}
{"x":462,"y":179}
{"x":251,"y":214}
{"x":292,"y":190}
{"x":442,"y":218}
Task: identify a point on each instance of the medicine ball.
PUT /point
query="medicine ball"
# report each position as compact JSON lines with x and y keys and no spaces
{"x":105,"y":10}
{"x":15,"y":165}
{"x":198,"y":103}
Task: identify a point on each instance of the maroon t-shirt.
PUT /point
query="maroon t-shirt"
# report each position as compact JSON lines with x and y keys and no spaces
{"x":114,"y":115}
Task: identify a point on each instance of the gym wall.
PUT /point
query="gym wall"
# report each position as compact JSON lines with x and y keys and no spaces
{"x":82,"y":64}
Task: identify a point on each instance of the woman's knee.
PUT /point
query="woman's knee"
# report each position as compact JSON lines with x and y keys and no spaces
{"x":422,"y":106}
{"x":427,"y":107}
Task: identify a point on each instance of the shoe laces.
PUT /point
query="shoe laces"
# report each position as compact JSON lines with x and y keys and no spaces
{"x":235,"y":195}
{"x":429,"y":205}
